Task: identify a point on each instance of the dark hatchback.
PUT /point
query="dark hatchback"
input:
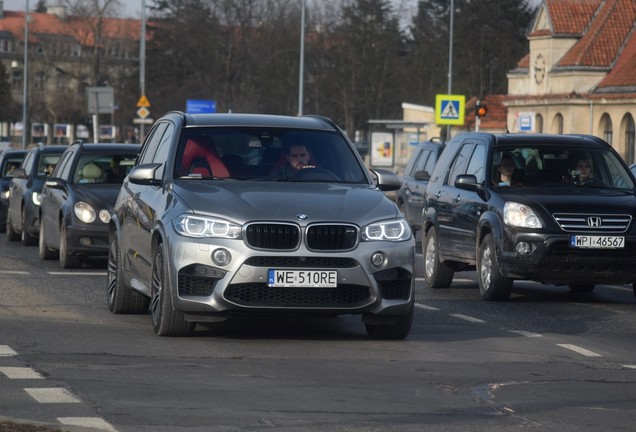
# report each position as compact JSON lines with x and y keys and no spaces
{"x":550,"y":224}
{"x":9,"y":161}
{"x":24,"y":192}
{"x":410,"y":196}
{"x":77,"y":200}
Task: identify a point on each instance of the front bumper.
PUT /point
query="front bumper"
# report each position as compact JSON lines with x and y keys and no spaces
{"x":88,"y":240}
{"x":202,"y":288}
{"x":552,"y":260}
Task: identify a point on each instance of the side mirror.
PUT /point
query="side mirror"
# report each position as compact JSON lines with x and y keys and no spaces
{"x":144,"y":174}
{"x":422,"y":175}
{"x":55,"y":183}
{"x":467,"y":182}
{"x":387,"y":180}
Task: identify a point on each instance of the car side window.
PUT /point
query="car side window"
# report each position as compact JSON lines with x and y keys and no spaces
{"x":477,"y":163}
{"x":163,"y":150}
{"x":63,"y":167}
{"x":421,"y":161}
{"x":461,"y":162}
{"x":430,"y":163}
{"x":28,"y":163}
{"x":152,"y":143}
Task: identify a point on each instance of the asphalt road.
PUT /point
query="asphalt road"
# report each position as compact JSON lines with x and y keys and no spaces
{"x":546,"y":360}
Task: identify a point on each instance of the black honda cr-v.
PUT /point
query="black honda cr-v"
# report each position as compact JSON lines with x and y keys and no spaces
{"x":556,"y":209}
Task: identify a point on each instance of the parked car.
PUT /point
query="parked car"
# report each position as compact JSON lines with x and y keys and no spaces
{"x":410,"y":196}
{"x":204,"y":230}
{"x":24,"y":192}
{"x":9,"y":161}
{"x":77,"y":200}
{"x":548,"y":223}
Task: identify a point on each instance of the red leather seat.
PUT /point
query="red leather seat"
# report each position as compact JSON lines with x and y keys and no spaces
{"x":202,"y":158}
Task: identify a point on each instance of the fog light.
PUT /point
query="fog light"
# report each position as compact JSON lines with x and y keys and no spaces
{"x":104,"y":216}
{"x":523,"y":248}
{"x":221,"y":257}
{"x":378,"y":259}
{"x":85,"y":241}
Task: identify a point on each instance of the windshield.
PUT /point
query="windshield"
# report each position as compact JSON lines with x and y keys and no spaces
{"x":555,"y":166}
{"x":268,"y":154}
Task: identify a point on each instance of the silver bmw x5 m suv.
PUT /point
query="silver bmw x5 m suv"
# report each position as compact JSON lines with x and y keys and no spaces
{"x":216,"y":219}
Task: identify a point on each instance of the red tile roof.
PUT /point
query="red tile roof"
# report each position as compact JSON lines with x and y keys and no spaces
{"x":604,"y":37}
{"x":571,"y":16}
{"x":79,"y":28}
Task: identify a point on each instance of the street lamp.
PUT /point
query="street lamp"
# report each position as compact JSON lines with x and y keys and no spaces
{"x":302,"y":58}
{"x":25,"y":77}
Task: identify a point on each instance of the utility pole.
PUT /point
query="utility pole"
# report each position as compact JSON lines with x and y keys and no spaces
{"x":142,"y":63}
{"x":25,"y":78}
{"x":301,"y":79}
{"x":450,"y":58}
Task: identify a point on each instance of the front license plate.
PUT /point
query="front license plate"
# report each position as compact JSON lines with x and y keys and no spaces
{"x":302,"y":278}
{"x":597,"y":242}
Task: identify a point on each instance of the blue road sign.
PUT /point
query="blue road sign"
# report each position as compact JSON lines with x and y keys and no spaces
{"x":197,"y":106}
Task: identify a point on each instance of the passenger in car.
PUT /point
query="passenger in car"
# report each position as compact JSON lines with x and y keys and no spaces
{"x":505,"y":173}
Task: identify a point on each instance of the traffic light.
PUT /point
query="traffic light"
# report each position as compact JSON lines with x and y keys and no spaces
{"x":480,"y":110}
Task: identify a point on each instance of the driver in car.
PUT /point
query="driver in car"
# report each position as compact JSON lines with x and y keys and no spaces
{"x":298,"y":157}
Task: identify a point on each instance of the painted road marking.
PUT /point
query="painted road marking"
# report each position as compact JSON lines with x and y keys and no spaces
{"x":51,"y":395}
{"x":20,"y":373}
{"x":526,"y":333}
{"x":6,"y":351}
{"x":468,"y":318}
{"x":421,"y":306}
{"x":87,"y":422}
{"x":578,"y":349}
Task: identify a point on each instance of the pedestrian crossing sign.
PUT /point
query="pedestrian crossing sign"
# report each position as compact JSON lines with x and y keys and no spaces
{"x":449,"y":109}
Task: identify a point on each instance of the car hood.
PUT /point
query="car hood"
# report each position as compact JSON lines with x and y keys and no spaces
{"x":247,"y":201}
{"x":98,"y":195}
{"x":577,"y":200}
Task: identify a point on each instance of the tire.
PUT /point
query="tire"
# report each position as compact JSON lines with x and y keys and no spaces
{"x":12,"y":235}
{"x":436,"y":273}
{"x":399,"y":330}
{"x":67,"y":260}
{"x":45,"y":252}
{"x":26,"y":238}
{"x":166,"y":321}
{"x":493,"y":286}
{"x":581,"y":287}
{"x":120,"y":298}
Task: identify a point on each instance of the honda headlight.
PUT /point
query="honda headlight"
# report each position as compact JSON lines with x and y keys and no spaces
{"x":84,"y":212}
{"x":393,"y":230}
{"x":201,"y":226}
{"x":520,"y":215}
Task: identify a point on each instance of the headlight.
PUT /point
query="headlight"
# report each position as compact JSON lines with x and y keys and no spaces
{"x":36,"y":198}
{"x":520,"y":215}
{"x":84,"y":212}
{"x":200,"y":227}
{"x":393,"y":230}
{"x":6,"y":194}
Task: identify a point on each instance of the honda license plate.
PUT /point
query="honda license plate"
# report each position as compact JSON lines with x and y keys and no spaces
{"x":597,"y":242}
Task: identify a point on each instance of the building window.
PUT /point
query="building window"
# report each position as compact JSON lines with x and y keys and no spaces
{"x":76,"y":50}
{"x":5,"y":46}
{"x":606,"y":127}
{"x":630,"y":138}
{"x":538,"y":123}
{"x":557,"y":125}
